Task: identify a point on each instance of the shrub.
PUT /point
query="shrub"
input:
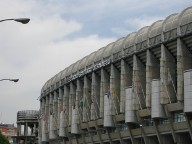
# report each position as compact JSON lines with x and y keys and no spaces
{"x":3,"y":139}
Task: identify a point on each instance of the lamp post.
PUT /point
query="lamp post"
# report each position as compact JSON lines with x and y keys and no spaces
{"x":141,"y":131}
{"x":21,"y":20}
{"x":14,"y":80}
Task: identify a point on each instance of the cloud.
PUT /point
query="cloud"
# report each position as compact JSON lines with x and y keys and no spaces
{"x":142,"y":21}
{"x":29,"y":41}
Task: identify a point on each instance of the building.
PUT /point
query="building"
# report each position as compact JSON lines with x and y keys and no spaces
{"x":27,"y":127}
{"x":135,"y":90}
{"x":8,"y":130}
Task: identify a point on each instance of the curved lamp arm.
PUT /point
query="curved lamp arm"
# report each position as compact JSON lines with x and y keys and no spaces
{"x":21,"y":20}
{"x":14,"y":80}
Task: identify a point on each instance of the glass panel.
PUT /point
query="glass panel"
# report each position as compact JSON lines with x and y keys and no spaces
{"x":179,"y":117}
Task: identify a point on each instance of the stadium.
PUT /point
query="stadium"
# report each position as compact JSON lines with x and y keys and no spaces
{"x":136,"y":90}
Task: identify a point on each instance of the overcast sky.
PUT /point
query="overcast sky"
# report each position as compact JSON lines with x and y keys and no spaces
{"x":60,"y":33}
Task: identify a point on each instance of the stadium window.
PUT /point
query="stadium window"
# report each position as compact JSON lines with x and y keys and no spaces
{"x":179,"y":117}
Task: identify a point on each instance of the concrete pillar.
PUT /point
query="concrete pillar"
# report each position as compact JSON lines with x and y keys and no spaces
{"x":108,"y":117}
{"x":95,"y":91}
{"x":47,"y":108}
{"x":75,"y":109}
{"x":130,"y":115}
{"x":126,"y":80}
{"x":66,"y":105}
{"x":139,"y":82}
{"x":44,"y":137}
{"x":60,"y":111}
{"x":87,"y":99}
{"x":45,"y":121}
{"x":50,"y":108}
{"x":115,"y":90}
{"x":71,"y":100}
{"x":104,"y":88}
{"x":79,"y":98}
{"x":26,"y":129}
{"x":64,"y":109}
{"x":167,"y":76}
{"x":40,"y":120}
{"x":152,"y":72}
{"x":52,"y":116}
{"x":41,"y":105}
{"x":60,"y":107}
{"x":184,"y":62}
{"x":61,"y":125}
{"x":55,"y":110}
{"x":52,"y":134}
{"x":156,"y":108}
{"x":42,"y":113}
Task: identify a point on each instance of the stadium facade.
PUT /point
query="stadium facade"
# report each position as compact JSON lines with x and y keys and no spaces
{"x":135,"y":90}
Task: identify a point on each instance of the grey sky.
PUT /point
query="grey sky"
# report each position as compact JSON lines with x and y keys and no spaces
{"x":60,"y":33}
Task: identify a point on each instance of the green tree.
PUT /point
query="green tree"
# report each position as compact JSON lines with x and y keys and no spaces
{"x":3,"y":139}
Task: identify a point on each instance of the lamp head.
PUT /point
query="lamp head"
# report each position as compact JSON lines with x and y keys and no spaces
{"x":14,"y":80}
{"x":22,"y":20}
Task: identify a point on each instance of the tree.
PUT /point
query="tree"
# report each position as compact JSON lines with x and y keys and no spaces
{"x":3,"y":139}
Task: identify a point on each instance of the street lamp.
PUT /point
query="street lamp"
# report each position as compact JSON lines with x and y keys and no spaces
{"x":14,"y":80}
{"x":21,"y":20}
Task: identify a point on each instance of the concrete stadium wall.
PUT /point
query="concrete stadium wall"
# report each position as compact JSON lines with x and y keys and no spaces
{"x":135,"y":90}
